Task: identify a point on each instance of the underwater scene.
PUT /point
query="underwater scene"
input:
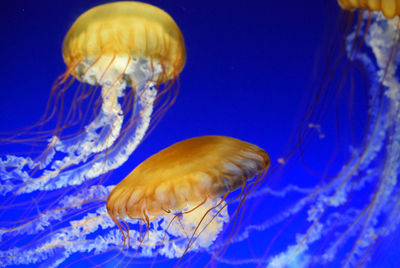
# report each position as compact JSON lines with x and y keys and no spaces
{"x":178,"y":133}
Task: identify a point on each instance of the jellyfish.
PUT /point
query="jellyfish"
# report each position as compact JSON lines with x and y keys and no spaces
{"x":388,"y":8}
{"x":129,"y":49}
{"x":123,"y":61}
{"x":173,"y":203}
{"x":349,"y":219}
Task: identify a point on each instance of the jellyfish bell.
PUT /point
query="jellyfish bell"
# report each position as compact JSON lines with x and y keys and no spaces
{"x":186,"y":173}
{"x":129,"y":40}
{"x":184,"y":178}
{"x":389,"y":8}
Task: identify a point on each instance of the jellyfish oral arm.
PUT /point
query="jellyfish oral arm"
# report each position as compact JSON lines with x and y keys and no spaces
{"x":98,"y":149}
{"x":102,"y":132}
{"x":371,"y":173}
{"x":168,"y":235}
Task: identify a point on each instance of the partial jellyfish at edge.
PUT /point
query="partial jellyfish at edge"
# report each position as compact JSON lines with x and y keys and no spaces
{"x":346,"y":220}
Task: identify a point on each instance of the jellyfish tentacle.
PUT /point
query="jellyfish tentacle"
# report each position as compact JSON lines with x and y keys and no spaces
{"x":66,"y":241}
{"x":101,"y":133}
{"x":376,"y":162}
{"x":98,"y":137}
{"x":113,"y":158}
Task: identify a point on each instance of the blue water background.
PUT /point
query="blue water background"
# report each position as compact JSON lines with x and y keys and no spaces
{"x":250,"y":67}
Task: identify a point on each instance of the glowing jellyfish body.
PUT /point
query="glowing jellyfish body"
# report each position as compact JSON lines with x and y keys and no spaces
{"x":389,"y":8}
{"x":174,"y":202}
{"x":186,"y":174}
{"x":188,"y":178}
{"x":115,"y":46}
{"x":131,"y":54}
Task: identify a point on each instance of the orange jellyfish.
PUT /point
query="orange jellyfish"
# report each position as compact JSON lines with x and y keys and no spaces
{"x":186,"y":186}
{"x":173,"y":203}
{"x":131,"y":54}
{"x":351,"y":216}
{"x":389,"y":8}
{"x":123,"y":63}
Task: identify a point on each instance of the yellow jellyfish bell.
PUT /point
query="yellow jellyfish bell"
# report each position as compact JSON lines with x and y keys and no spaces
{"x":186,"y":174}
{"x":389,"y":8}
{"x":108,"y":36}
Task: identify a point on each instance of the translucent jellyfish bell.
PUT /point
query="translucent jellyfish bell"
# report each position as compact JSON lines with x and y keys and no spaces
{"x":185,"y":188}
{"x":184,"y":175}
{"x":129,"y":41}
{"x":389,"y":8}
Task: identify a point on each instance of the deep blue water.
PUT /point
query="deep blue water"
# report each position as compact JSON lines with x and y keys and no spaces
{"x":250,"y":68}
